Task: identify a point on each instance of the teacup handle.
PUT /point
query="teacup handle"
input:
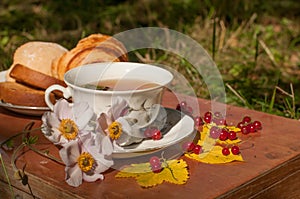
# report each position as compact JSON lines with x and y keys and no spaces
{"x":65,"y":90}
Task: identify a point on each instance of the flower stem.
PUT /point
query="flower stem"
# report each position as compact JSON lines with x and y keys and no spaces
{"x":45,"y":154}
{"x":7,"y":178}
{"x":13,"y":157}
{"x":18,"y":134}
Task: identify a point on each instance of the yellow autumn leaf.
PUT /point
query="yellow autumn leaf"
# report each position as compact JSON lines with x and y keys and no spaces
{"x":233,"y":128}
{"x":205,"y":139}
{"x":175,"y":171}
{"x":215,"y":156}
{"x":212,"y":148}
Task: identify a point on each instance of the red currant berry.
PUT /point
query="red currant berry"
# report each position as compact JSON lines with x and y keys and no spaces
{"x":197,"y":149}
{"x":225,"y":151}
{"x":251,"y":128}
{"x":217,"y":114}
{"x":240,"y":125}
{"x":156,"y":168}
{"x":208,"y":114}
{"x":257,"y":125}
{"x":219,"y":121}
{"x":181,"y":106}
{"x":232,"y":135}
{"x":207,"y":117}
{"x":198,"y":121}
{"x":188,"y":146}
{"x":214,"y":132}
{"x":154,"y":160}
{"x":235,"y":150}
{"x":223,"y":135}
{"x":149,"y":132}
{"x":156,"y":135}
{"x":245,"y":129}
{"x":178,"y":108}
{"x":188,"y":110}
{"x":246,"y":119}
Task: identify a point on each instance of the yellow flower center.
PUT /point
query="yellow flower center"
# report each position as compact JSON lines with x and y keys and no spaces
{"x":115,"y":130}
{"x":85,"y":162}
{"x":68,"y":129}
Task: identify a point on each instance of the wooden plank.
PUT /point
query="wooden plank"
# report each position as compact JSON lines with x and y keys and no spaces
{"x":6,"y":193}
{"x":281,"y":182}
{"x":269,"y":158}
{"x":287,"y":188}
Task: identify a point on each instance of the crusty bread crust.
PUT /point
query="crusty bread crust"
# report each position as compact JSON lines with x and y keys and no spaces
{"x":91,"y":49}
{"x":18,"y":94}
{"x":37,"y":55}
{"x":33,"y":78}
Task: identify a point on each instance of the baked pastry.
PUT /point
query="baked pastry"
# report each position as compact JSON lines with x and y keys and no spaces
{"x":38,"y":65}
{"x":33,"y":78}
{"x":37,"y":55}
{"x":18,"y":94}
{"x":91,"y":49}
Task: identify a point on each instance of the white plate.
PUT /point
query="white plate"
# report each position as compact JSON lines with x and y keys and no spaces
{"x":178,"y":132}
{"x":27,"y":110}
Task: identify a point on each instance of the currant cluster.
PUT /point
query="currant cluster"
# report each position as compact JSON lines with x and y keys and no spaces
{"x":235,"y":150}
{"x":222,"y":133}
{"x":192,"y":147}
{"x":215,"y":117}
{"x":210,"y":117}
{"x":185,"y":108}
{"x":247,"y":126}
{"x":216,"y":131}
{"x":155,"y":163}
{"x":153,"y":133}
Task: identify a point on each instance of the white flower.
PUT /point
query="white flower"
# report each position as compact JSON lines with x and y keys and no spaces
{"x":86,"y":158}
{"x":66,"y":122}
{"x":117,"y":126}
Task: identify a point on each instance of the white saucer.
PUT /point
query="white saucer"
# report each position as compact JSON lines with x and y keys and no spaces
{"x":176,"y":134}
{"x":27,"y":110}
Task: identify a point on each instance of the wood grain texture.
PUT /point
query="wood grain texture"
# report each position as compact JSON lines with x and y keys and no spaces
{"x":271,"y":167}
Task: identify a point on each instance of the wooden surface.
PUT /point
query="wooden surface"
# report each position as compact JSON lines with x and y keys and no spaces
{"x":271,"y":168}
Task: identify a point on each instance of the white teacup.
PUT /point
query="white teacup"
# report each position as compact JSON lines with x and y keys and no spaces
{"x":100,"y":100}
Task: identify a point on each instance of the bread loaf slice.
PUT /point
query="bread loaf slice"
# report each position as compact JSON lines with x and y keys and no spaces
{"x":37,"y":55}
{"x":91,"y":49}
{"x":33,"y":78}
{"x":18,"y":94}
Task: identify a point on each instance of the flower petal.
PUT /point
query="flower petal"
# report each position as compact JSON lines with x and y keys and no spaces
{"x":50,"y":119}
{"x":70,"y":152}
{"x":106,"y":147}
{"x":57,"y":138}
{"x":63,"y":109}
{"x":82,"y":114}
{"x":73,"y":176}
{"x":129,"y":135}
{"x":92,"y":178}
{"x":117,"y":109}
{"x":103,"y":122}
{"x":103,"y":163}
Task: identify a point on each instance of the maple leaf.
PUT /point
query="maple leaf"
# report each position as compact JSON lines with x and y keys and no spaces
{"x":174,"y":171}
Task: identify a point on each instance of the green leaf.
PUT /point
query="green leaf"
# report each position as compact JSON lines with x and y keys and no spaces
{"x":32,"y":139}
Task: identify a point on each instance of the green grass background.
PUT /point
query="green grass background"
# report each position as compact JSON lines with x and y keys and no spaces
{"x":255,"y":44}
